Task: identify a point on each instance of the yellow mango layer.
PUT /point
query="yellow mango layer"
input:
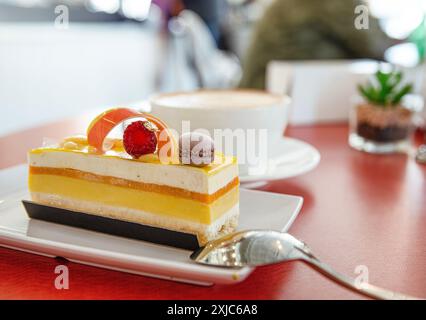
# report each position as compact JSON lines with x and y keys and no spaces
{"x":157,"y":203}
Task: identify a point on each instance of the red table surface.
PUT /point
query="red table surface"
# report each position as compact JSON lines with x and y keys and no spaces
{"x":359,"y":209}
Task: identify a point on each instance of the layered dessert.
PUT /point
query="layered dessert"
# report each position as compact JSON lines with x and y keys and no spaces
{"x":129,"y":182}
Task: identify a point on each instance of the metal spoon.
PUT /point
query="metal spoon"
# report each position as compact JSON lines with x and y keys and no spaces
{"x":263,"y":247}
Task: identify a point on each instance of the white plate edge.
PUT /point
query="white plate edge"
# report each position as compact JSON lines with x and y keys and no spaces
{"x":74,"y":253}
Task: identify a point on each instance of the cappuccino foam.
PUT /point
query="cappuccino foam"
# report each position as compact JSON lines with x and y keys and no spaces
{"x":220,"y":99}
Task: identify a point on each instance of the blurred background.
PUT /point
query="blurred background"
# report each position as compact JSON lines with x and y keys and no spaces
{"x":59,"y":58}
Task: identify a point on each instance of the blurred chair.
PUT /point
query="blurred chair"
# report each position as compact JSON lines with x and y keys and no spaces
{"x":305,"y":30}
{"x":324,"y":90}
{"x":194,"y":61}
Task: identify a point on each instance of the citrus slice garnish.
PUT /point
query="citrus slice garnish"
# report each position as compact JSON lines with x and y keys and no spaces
{"x":102,"y":125}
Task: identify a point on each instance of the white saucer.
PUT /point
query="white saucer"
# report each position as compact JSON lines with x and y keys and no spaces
{"x":293,"y":157}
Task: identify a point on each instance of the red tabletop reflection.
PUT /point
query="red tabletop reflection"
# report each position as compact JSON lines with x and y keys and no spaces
{"x":361,"y":211}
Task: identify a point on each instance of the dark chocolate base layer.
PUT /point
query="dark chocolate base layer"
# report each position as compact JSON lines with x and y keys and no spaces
{"x":111,"y":226}
{"x":386,"y":134}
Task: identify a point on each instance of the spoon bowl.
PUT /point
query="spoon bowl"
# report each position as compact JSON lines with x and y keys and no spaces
{"x":250,"y":248}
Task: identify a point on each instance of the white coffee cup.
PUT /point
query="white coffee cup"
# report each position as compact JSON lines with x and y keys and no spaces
{"x":259,"y":114}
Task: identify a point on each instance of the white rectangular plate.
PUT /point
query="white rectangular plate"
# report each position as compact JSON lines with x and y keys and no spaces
{"x":258,"y":210}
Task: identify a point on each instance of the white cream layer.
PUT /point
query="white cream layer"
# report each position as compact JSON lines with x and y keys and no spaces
{"x":184,"y":177}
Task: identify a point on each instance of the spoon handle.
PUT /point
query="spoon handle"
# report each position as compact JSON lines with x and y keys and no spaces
{"x":362,"y":288}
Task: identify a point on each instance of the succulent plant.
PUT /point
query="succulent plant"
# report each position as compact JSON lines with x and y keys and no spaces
{"x":386,"y":90}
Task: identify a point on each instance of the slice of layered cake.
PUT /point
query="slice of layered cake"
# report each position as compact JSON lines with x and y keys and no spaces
{"x":128,"y":191}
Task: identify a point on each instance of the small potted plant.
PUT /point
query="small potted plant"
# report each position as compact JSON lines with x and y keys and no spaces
{"x":380,"y":123}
